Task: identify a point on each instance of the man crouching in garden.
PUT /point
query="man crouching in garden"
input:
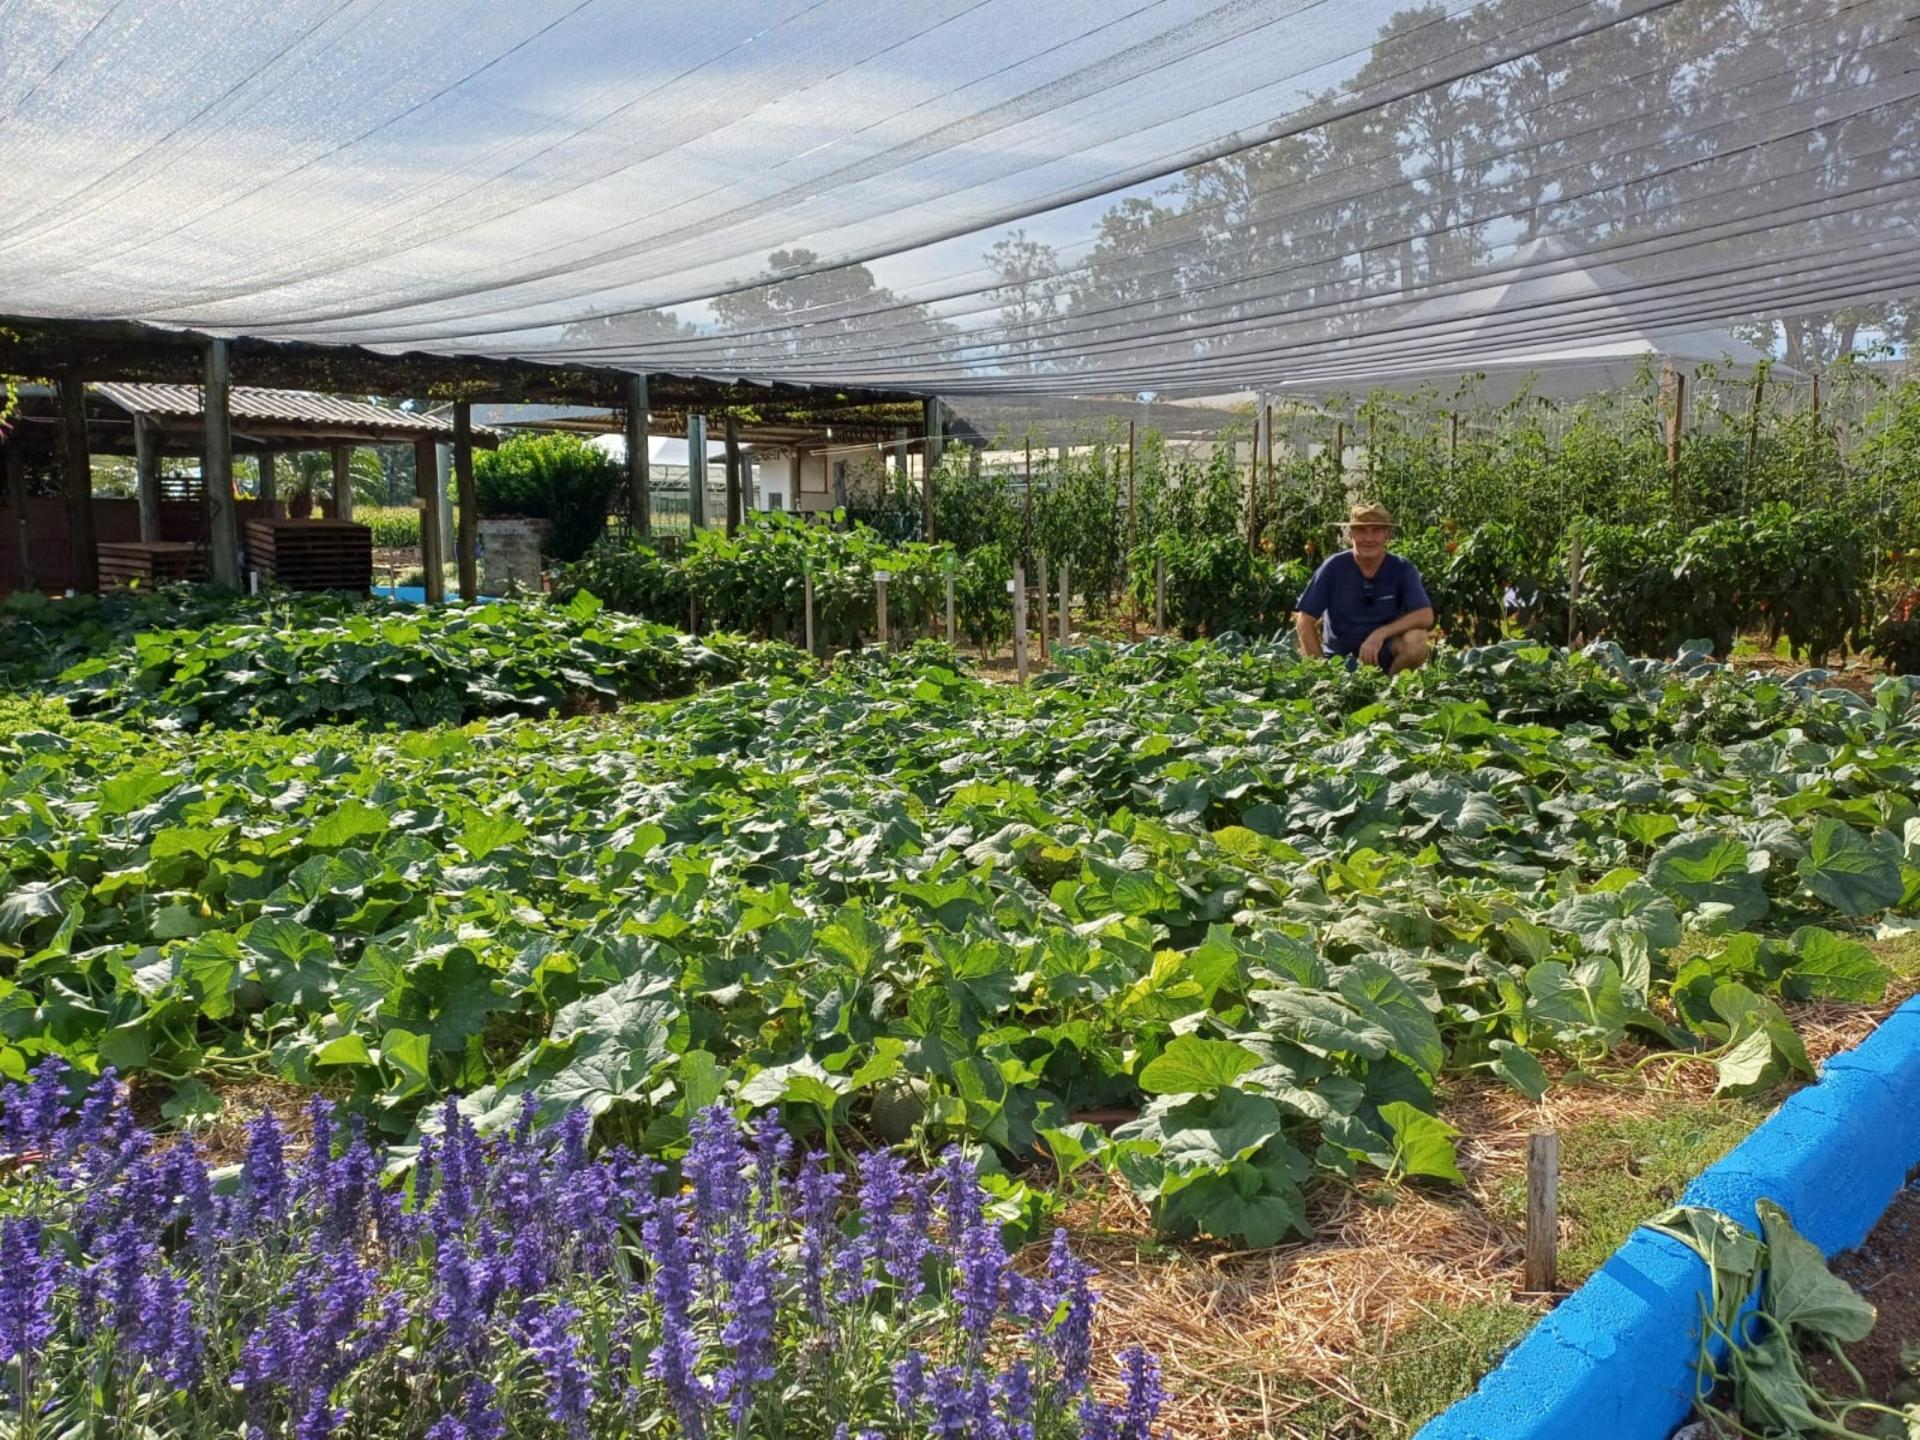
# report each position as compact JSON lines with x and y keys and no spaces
{"x":1374,"y":605}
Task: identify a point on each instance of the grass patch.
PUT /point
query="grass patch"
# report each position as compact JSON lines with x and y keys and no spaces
{"x":1616,"y":1171}
{"x":1399,"y":1382}
{"x":1901,"y":955}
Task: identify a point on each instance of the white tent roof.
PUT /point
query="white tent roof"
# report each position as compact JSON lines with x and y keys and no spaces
{"x":967,"y":196}
{"x":663,"y":450}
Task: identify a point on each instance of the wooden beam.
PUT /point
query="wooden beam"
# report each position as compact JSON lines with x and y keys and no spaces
{"x":83,"y":560}
{"x":146,"y":476}
{"x":467,"y":548}
{"x":269,"y":484}
{"x":216,"y":470}
{"x":433,"y":550}
{"x":733,"y":475}
{"x":639,"y":465}
{"x":15,"y":461}
{"x":343,"y":482}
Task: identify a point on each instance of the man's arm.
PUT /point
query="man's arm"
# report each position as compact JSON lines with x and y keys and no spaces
{"x":1421,"y":619}
{"x":1307,"y":627}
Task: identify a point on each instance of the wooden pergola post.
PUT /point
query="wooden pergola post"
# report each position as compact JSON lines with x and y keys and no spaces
{"x":902,"y":439}
{"x":216,"y":470}
{"x":146,"y":476}
{"x":83,"y":561}
{"x":268,"y":484}
{"x":343,"y":482}
{"x":433,"y":551}
{"x":639,"y":465}
{"x":467,"y":547}
{"x":733,"y":475}
{"x":1676,"y":422}
{"x":696,"y":474}
{"x":15,"y":462}
{"x":936,"y":446}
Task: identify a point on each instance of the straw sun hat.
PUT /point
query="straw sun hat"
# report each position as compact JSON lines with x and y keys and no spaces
{"x":1368,"y":515}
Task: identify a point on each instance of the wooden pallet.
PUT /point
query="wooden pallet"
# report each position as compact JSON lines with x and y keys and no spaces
{"x":312,"y":554}
{"x":148,"y":563}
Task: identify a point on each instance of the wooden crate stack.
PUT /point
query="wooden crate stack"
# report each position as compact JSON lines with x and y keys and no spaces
{"x":148,"y":563}
{"x":311,"y":554}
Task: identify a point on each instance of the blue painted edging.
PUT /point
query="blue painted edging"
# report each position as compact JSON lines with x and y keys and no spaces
{"x":1616,"y":1358}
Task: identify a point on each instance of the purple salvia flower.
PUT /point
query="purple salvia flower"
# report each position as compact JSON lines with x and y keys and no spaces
{"x":773,"y":1151}
{"x":28,"y":1280}
{"x":121,"y":1270}
{"x":952,"y":1414}
{"x":675,"y":1360}
{"x":316,"y":1173}
{"x":1145,"y":1395}
{"x":1016,"y":1395}
{"x":264,"y":1187}
{"x":980,"y":1265}
{"x":35,"y":1110}
{"x":909,"y":1383}
{"x":882,"y":1188}
{"x":1071,"y":1338}
{"x":457,"y":1289}
{"x":557,"y":1351}
{"x":819,"y":1202}
{"x":483,"y":1417}
{"x":448,"y":1427}
{"x":103,"y":1114}
{"x":1097,"y":1421}
{"x":163,"y":1330}
{"x":716,"y":1167}
{"x":749,"y":1332}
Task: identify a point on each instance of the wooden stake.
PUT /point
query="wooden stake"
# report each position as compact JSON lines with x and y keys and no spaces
{"x":1340,"y":453}
{"x":267,"y":487}
{"x":1017,"y":587}
{"x":1160,"y":593}
{"x":1675,"y":423}
{"x":734,"y":482}
{"x":467,"y":538}
{"x":697,"y":474}
{"x":808,"y":590}
{"x":950,"y":628}
{"x":1753,"y":434}
{"x":1041,"y":630}
{"x":1066,"y":601}
{"x":1542,"y":1272}
{"x":1133,"y":514}
{"x":1573,"y":589}
{"x":880,"y":604}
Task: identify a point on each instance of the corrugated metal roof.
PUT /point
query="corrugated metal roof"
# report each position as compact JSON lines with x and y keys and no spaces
{"x":251,"y":405}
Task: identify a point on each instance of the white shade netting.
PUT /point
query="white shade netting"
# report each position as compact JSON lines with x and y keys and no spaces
{"x":964,"y":196}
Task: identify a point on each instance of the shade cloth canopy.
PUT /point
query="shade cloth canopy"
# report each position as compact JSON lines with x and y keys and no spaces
{"x":952,"y":195}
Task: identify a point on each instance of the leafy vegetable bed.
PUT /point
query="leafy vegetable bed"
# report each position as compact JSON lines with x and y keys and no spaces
{"x":1261,"y":901}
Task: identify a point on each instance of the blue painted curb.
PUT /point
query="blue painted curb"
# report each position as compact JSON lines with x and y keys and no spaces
{"x":1616,"y":1358}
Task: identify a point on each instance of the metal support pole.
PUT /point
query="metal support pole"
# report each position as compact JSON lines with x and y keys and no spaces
{"x":639,"y":464}
{"x":1017,"y":587}
{"x":223,"y":522}
{"x":467,"y":547}
{"x":146,"y":476}
{"x":697,"y":491}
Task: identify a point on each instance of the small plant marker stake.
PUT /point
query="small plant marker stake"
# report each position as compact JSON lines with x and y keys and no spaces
{"x":1017,"y":587}
{"x":1160,"y":594}
{"x":880,"y":578}
{"x":809,"y":610}
{"x":1041,"y":630}
{"x":1542,"y":1273}
{"x":1066,"y":594}
{"x":950,"y":630}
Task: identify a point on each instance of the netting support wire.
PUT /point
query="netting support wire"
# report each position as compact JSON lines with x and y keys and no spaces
{"x":217,"y":471}
{"x":639,"y":462}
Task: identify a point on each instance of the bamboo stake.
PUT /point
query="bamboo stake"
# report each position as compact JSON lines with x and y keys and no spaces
{"x":1542,"y":1271}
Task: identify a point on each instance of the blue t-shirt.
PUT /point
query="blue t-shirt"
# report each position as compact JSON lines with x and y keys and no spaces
{"x":1355,"y":606}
